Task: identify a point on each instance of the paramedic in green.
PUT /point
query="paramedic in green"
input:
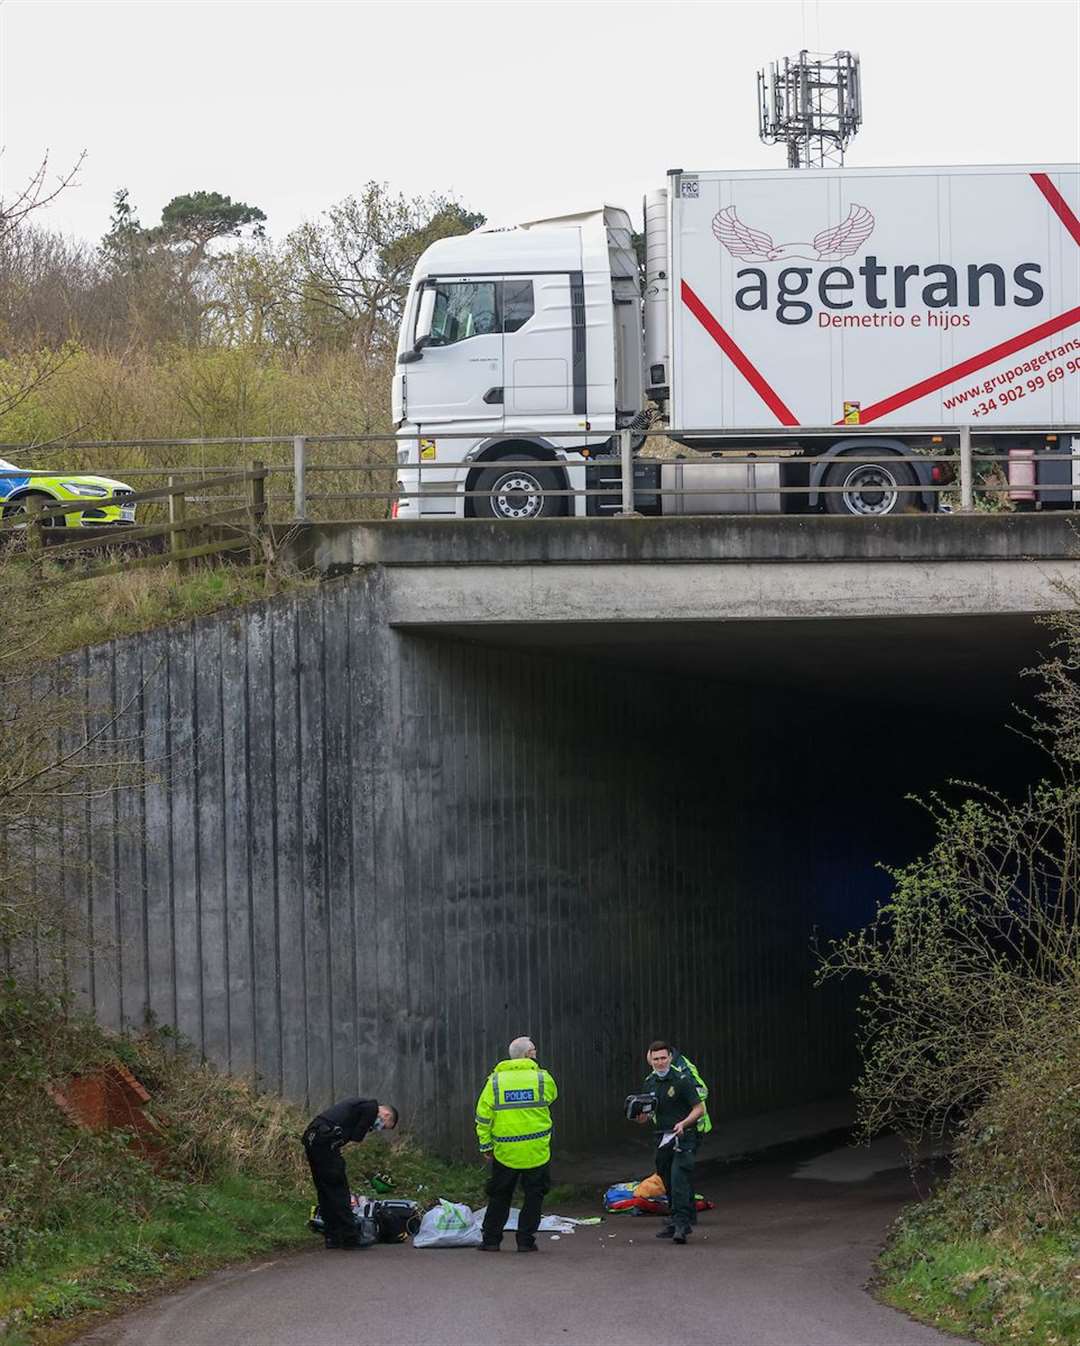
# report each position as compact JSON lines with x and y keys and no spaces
{"x":513,"y":1126}
{"x":678,"y":1111}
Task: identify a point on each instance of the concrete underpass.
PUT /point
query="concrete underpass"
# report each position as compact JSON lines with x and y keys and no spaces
{"x":641,"y":830}
{"x":397,"y":826}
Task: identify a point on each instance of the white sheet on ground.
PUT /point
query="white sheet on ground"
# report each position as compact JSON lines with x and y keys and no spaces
{"x":549,"y":1224}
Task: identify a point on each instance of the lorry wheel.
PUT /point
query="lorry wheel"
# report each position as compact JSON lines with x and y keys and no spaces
{"x":871,"y":490}
{"x":515,"y":493}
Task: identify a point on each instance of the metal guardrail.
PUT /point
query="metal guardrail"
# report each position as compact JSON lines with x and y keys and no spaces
{"x":961,"y":463}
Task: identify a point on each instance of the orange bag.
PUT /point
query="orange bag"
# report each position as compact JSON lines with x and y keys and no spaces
{"x":653,"y":1185}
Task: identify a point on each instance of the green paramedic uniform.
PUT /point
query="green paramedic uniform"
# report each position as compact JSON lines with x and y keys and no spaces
{"x":676,"y":1094}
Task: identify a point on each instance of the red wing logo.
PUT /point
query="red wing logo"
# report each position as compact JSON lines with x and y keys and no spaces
{"x":751,"y":245}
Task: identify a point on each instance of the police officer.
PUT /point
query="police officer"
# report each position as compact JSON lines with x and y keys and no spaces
{"x":678,"y":1110}
{"x":334,"y":1127}
{"x":513,"y":1126}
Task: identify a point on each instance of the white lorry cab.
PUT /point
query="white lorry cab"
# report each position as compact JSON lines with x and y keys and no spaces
{"x":525,"y":345}
{"x":788,"y":324}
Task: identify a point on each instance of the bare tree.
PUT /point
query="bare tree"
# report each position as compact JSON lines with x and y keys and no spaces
{"x":35,"y":195}
{"x":15,"y":215}
{"x":347,"y":274}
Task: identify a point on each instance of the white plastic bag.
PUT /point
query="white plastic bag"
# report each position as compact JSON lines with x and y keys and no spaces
{"x":448,"y":1225}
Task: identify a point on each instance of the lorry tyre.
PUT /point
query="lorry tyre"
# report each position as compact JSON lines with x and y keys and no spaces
{"x":515,"y":493}
{"x":871,"y":490}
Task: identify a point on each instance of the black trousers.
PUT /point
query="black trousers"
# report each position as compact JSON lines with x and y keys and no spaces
{"x":535,"y":1183}
{"x":676,"y":1170}
{"x":322,"y":1145}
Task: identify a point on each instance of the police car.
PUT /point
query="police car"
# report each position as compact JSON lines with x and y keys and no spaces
{"x":19,"y":486}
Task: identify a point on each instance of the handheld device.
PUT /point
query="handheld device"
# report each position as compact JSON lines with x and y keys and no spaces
{"x":640,"y":1105}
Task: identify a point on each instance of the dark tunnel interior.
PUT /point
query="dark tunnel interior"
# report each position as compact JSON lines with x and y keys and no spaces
{"x":628,"y":833}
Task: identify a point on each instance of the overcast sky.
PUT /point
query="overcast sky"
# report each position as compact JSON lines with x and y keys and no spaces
{"x":519,"y":108}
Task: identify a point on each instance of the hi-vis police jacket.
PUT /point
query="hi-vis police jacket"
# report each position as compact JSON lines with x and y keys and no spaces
{"x":513,"y":1117}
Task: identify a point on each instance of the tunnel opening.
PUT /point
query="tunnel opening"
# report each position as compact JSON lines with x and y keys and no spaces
{"x":379,"y":851}
{"x":617,"y":833}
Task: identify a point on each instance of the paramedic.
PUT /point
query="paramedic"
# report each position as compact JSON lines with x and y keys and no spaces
{"x":704,"y":1123}
{"x":682,"y":1062}
{"x":334,"y":1127}
{"x":513,"y":1126}
{"x":678,"y":1110}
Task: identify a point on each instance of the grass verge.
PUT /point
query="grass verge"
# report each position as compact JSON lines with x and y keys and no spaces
{"x":90,"y":612}
{"x":88,"y":1225}
{"x":998,"y":1287}
{"x":98,"y":1263}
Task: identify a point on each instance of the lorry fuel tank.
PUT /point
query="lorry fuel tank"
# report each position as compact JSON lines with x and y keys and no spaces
{"x":726,"y":488}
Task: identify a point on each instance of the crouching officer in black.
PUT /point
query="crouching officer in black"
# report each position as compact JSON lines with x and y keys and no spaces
{"x":678,"y":1109}
{"x":334,"y":1127}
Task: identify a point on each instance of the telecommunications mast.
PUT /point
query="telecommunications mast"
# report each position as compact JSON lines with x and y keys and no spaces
{"x":813,"y":103}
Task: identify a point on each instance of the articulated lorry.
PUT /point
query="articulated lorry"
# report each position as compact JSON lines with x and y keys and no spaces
{"x":777,"y":314}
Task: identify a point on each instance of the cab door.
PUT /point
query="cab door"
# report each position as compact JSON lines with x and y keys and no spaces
{"x":458,"y":374}
{"x":538,"y":352}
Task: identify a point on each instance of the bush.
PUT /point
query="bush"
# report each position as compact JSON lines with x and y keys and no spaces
{"x":1018,"y":1158}
{"x":206,"y":393}
{"x":970,"y":1020}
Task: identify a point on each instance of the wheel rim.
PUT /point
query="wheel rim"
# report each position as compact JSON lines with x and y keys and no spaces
{"x":870,"y":489}
{"x":17,"y":510}
{"x":517,"y":496}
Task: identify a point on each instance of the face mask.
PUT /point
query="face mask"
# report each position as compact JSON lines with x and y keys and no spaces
{"x":377,"y":1124}
{"x":663,"y":1074}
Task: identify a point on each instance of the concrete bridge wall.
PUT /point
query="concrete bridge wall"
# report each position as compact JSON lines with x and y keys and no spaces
{"x":386,"y":833}
{"x":371,"y":857}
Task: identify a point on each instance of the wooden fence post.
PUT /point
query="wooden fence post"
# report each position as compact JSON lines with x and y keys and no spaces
{"x":35,"y":538}
{"x":299,"y":477}
{"x":258,"y":492}
{"x":261,"y":549}
{"x":177,"y":510}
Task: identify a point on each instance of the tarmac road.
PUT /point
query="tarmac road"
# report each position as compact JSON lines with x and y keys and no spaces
{"x":782,"y":1261}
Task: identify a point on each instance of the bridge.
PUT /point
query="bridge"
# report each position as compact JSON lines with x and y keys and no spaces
{"x":597,"y":781}
{"x":478,"y":574}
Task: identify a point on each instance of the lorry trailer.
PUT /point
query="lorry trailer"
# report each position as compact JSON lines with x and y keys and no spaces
{"x":810,"y":338}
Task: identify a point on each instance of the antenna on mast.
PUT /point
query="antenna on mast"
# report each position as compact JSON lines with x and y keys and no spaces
{"x":813,"y":103}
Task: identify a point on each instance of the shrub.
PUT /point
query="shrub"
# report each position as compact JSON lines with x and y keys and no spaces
{"x":1018,"y":1159}
{"x":970,"y":1020}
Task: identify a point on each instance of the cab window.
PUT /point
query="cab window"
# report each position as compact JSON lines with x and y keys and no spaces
{"x":517,"y":304}
{"x":462,"y":310}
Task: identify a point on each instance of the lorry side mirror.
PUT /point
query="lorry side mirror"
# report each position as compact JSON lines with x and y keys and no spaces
{"x":425,"y":317}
